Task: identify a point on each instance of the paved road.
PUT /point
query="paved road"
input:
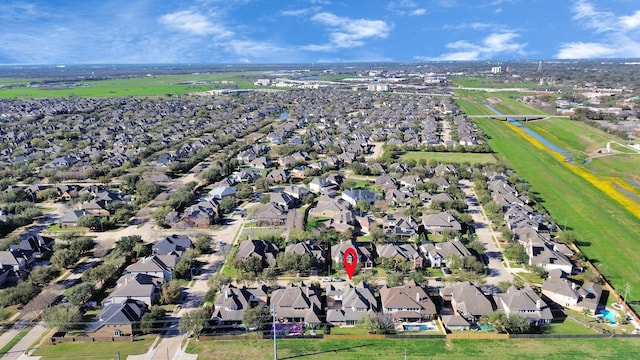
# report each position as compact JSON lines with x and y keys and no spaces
{"x":488,"y":237}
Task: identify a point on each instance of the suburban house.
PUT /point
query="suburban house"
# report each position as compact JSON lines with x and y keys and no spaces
{"x":283,"y":200}
{"x":401,"y":252}
{"x":271,"y":214}
{"x":279,"y":175}
{"x":328,"y":207}
{"x":526,"y":303}
{"x":440,"y":222}
{"x":221,"y":192}
{"x":118,"y":319}
{"x":437,"y":253}
{"x":347,"y":306}
{"x":312,"y":248}
{"x":159,"y":266}
{"x":232,"y":302}
{"x":298,"y":304}
{"x":172,"y":245}
{"x":320,"y":185}
{"x":70,"y":219}
{"x":544,"y":254}
{"x":139,"y":287}
{"x":365,"y":258}
{"x":569,"y":294}
{"x":15,"y":262}
{"x":353,"y":196}
{"x":398,"y":225}
{"x":200,"y":215}
{"x":262,"y":249}
{"x":409,"y":302}
{"x":34,"y":246}
{"x":297,"y":192}
{"x":467,"y":301}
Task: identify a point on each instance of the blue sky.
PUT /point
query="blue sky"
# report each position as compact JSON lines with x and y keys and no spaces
{"x":302,"y":31}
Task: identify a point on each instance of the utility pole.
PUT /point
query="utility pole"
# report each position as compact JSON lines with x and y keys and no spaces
{"x":275,"y":340}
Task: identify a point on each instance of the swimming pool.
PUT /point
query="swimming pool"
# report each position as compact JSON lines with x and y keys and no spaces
{"x":609,"y":315}
{"x":418,"y":327}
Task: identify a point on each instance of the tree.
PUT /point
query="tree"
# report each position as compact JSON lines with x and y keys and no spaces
{"x":194,"y":322}
{"x":64,"y":258}
{"x":377,"y":323}
{"x":171,"y":292}
{"x":43,"y":274}
{"x":89,"y":221}
{"x":151,"y":319}
{"x":146,"y":191}
{"x":80,"y":293}
{"x":255,"y":318}
{"x":516,"y":252}
{"x":244,"y":191}
{"x":202,"y":243}
{"x":395,"y":279}
{"x":81,"y":245}
{"x":127,"y":243}
{"x":63,"y":316}
{"x":227,"y":204}
{"x":218,"y":281}
{"x":517,"y":324}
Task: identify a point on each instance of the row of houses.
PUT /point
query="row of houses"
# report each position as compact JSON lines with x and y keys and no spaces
{"x":139,"y":288}
{"x":459,"y":306}
{"x":19,"y":259}
{"x":426,"y":253}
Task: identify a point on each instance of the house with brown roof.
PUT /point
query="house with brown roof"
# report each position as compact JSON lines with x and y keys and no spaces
{"x":347,"y":306}
{"x":409,"y":302}
{"x":440,"y":222}
{"x":365,"y":257}
{"x":401,"y":252}
{"x":468,"y":301}
{"x":262,"y":249}
{"x":564,"y":292}
{"x":298,"y":304}
{"x":526,"y":303}
{"x":233,"y":301}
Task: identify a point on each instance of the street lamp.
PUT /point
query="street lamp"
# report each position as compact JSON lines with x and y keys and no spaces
{"x":275,"y":341}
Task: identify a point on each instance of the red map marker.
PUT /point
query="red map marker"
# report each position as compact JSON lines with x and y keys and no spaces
{"x":350,"y":254}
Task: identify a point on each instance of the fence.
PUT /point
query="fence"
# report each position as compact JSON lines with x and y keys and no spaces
{"x":477,"y":336}
{"x":60,"y":339}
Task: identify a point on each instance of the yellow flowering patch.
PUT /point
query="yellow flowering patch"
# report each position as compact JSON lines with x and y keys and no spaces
{"x":606,"y":185}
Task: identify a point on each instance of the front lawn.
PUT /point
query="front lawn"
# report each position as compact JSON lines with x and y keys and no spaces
{"x":95,"y":350}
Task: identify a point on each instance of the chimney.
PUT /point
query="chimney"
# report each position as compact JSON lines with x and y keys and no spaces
{"x":538,"y":304}
{"x":417,"y":296}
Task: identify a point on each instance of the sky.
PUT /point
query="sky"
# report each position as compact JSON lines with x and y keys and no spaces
{"x":314,"y":31}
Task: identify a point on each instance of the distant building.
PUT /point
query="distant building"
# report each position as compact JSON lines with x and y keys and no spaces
{"x":496,"y":70}
{"x":384,"y":87}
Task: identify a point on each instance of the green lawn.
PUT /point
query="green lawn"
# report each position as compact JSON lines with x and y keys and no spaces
{"x":449,"y":157}
{"x":607,"y":231}
{"x":473,"y":103}
{"x":609,"y":348}
{"x":138,"y":86}
{"x":570,"y":327}
{"x":490,"y":83}
{"x":95,"y":350}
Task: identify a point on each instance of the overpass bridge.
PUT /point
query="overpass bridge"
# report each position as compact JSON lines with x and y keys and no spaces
{"x":518,"y":117}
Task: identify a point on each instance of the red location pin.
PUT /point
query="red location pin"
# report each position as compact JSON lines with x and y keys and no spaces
{"x":350,"y":255}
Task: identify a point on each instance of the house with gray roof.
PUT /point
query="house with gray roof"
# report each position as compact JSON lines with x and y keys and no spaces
{"x":159,"y":266}
{"x":136,"y":286}
{"x":233,"y":301}
{"x":468,"y":301}
{"x":172,"y":245}
{"x":440,"y":222}
{"x":313,"y":249}
{"x":526,"y":303}
{"x":405,"y":252}
{"x":564,"y":292}
{"x":118,"y":319}
{"x":353,"y":196}
{"x":365,"y":258}
{"x":262,"y":249}
{"x":437,"y":253}
{"x":347,"y":306}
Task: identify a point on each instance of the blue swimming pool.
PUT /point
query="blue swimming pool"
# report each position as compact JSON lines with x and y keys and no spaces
{"x":418,"y":327}
{"x":609,"y":315}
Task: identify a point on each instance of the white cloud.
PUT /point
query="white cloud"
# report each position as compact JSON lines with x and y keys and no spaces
{"x":194,"y":23}
{"x":618,"y":35}
{"x":348,"y":33}
{"x":418,"y":12}
{"x":495,"y":44}
{"x":406,"y":7}
{"x":300,"y":12}
{"x":632,"y":21}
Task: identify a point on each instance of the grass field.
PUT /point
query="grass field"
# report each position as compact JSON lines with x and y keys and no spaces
{"x":5,"y":349}
{"x":95,"y":350}
{"x":449,"y":157}
{"x":610,"y":348}
{"x":473,"y":103}
{"x":139,"y":86}
{"x":607,"y":231}
{"x":489,"y":83}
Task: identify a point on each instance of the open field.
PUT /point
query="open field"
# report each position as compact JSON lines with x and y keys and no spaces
{"x":449,"y":157}
{"x":606,"y":230}
{"x":490,"y":83}
{"x":609,"y":348}
{"x":506,"y":103}
{"x":95,"y":350}
{"x":138,"y":86}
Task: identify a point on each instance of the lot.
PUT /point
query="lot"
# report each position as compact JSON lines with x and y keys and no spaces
{"x":614,"y":348}
{"x":95,"y":350}
{"x":449,"y":157}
